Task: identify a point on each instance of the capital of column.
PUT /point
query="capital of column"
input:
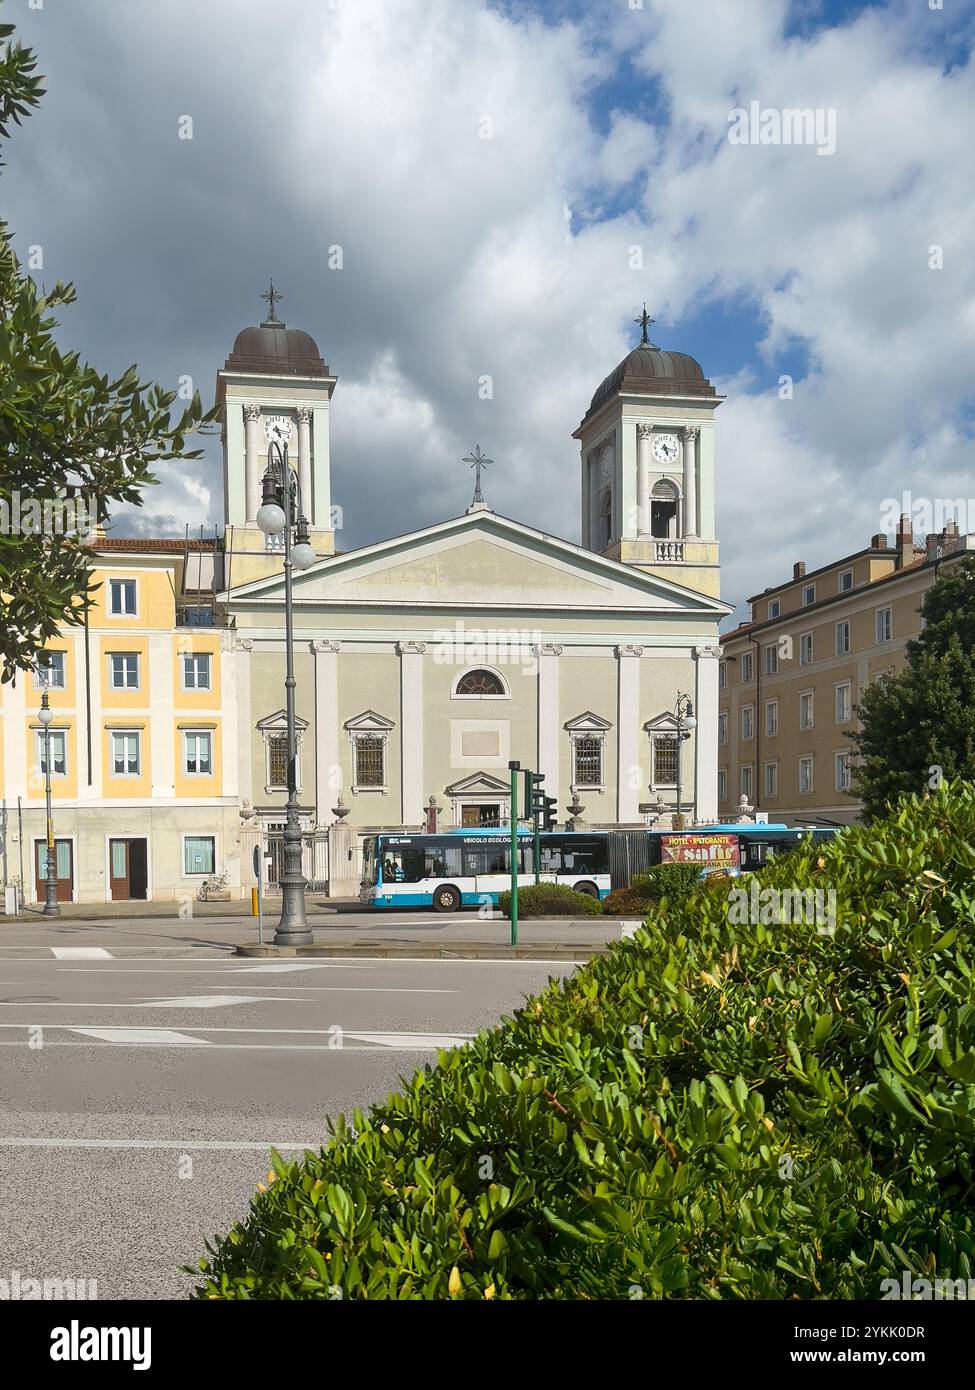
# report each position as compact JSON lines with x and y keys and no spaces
{"x":304,"y":414}
{"x":691,"y":432}
{"x":410,"y":648}
{"x":549,"y":649}
{"x":706,"y":652}
{"x":326,"y":646}
{"x":628,"y":650}
{"x":252,"y":412}
{"x":644,"y":431}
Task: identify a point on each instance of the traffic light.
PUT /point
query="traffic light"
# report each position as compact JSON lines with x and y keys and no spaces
{"x":533,"y":787}
{"x":547,"y":809}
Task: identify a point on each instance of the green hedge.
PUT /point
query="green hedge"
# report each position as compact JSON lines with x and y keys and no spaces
{"x":671,"y":881}
{"x":718,"y":1108}
{"x":549,"y":900}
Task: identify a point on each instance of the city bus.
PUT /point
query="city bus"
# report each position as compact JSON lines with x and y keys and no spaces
{"x":471,"y":868}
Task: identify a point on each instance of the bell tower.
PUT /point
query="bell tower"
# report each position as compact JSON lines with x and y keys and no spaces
{"x":647,"y":445}
{"x":274,"y":385}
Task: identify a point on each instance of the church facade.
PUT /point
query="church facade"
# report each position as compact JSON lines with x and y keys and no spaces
{"x":425,"y":662}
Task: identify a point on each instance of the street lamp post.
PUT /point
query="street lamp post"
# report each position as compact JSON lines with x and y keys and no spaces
{"x":51,"y":908}
{"x":281,"y":511}
{"x":684,"y":715}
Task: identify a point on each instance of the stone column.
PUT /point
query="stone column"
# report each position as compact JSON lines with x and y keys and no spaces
{"x":706,"y":734}
{"x":411,"y":731}
{"x":328,"y":768}
{"x":549,"y":725}
{"x":644,"y":436}
{"x":304,"y":460}
{"x":252,"y":455}
{"x":343,"y":875}
{"x":592,"y":484}
{"x":628,"y":783}
{"x":690,"y":480}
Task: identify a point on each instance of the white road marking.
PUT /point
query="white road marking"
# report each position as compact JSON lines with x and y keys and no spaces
{"x":198,"y":1028}
{"x":219,"y":1144}
{"x":203,"y":1001}
{"x":410,"y":1039}
{"x":80,"y":953}
{"x":142,"y":1035}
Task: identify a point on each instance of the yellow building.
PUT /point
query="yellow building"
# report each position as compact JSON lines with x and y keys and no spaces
{"x":144,"y":796}
{"x":791,"y":678}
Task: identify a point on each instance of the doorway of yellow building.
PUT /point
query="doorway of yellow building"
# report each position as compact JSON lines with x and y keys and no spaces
{"x":128,"y":869}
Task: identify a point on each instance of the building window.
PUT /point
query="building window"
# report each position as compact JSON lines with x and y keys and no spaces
{"x":722,"y":676}
{"x":774,"y":608}
{"x":844,"y":703}
{"x":122,"y":598}
{"x":605,"y":521}
{"x":808,"y":595}
{"x":370,"y":760}
{"x":844,"y":777}
{"x":480,"y":684}
{"x":723,"y":727}
{"x":807,"y":710}
{"x":199,"y":855}
{"x":885,"y":624}
{"x":277,"y":761}
{"x":745,"y":781}
{"x":748,"y":722}
{"x":49,"y":671}
{"x":59,"y":753}
{"x":805,"y":649}
{"x":771,"y":659}
{"x":664,"y":507}
{"x":771,"y":718}
{"x":842,"y":638}
{"x":747,"y":667}
{"x":123,"y":671}
{"x":196,"y":671}
{"x":805,"y":776}
{"x":125,"y":755}
{"x":664,"y":759}
{"x":198,"y":750}
{"x":587,"y":761}
{"x":844,"y":581}
{"x":722,"y":784}
{"x":771,"y":780}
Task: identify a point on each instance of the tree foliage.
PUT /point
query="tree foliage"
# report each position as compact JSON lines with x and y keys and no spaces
{"x":64,"y":427}
{"x":718,"y":1108}
{"x":917,"y":725}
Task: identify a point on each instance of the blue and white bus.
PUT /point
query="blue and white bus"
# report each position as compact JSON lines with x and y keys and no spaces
{"x":470,"y":868}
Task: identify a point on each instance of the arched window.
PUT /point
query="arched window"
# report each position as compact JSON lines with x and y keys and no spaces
{"x":605,"y":532}
{"x":664,"y":510}
{"x":480,"y":683}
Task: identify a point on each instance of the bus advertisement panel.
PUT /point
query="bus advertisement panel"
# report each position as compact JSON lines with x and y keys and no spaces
{"x":710,"y":851}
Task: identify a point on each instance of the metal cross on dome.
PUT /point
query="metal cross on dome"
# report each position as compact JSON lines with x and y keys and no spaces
{"x":272,"y":296}
{"x":645,"y":321}
{"x":477,"y":461}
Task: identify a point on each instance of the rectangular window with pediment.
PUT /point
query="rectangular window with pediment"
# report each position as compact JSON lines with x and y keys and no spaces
{"x":370,"y":760}
{"x":664,"y":760}
{"x":588,"y":764}
{"x":277,"y":761}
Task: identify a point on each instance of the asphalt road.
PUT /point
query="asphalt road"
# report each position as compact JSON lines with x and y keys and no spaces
{"x":139,"y":1096}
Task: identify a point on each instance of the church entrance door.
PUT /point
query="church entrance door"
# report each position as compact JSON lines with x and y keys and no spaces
{"x":473,"y":816}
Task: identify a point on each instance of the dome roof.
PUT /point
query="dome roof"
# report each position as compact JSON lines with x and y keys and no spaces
{"x":650,"y":371}
{"x":274,"y":348}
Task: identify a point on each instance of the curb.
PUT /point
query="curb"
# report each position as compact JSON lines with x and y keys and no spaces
{"x":459,"y":950}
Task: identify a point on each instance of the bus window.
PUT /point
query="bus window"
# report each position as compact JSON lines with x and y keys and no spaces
{"x":550,"y":858}
{"x":481,"y":860}
{"x":582,"y":855}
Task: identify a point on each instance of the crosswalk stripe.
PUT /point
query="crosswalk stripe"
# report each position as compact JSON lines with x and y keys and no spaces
{"x":141,"y":1035}
{"x":80,"y":953}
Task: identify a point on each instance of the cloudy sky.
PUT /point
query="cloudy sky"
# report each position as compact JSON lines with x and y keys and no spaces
{"x":487,"y":170}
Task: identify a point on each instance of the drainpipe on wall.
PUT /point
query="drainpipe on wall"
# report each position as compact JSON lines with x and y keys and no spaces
{"x":758,"y":721}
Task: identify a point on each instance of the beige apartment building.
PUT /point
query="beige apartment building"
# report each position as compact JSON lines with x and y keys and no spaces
{"x":791,"y":678}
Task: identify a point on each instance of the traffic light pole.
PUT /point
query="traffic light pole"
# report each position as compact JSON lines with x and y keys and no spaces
{"x":514,"y":769}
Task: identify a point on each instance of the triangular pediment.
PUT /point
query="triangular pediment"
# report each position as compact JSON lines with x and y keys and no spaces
{"x":278,"y":721}
{"x":369,"y":722}
{"x":588,"y":723}
{"x":478,"y":784}
{"x":478,"y":561}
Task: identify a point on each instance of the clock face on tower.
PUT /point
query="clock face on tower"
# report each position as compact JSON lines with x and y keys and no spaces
{"x":665,"y":448}
{"x":277,"y":429}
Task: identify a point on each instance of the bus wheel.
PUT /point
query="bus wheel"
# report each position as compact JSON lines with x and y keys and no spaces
{"x":590,"y":889}
{"x":446,"y":899}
